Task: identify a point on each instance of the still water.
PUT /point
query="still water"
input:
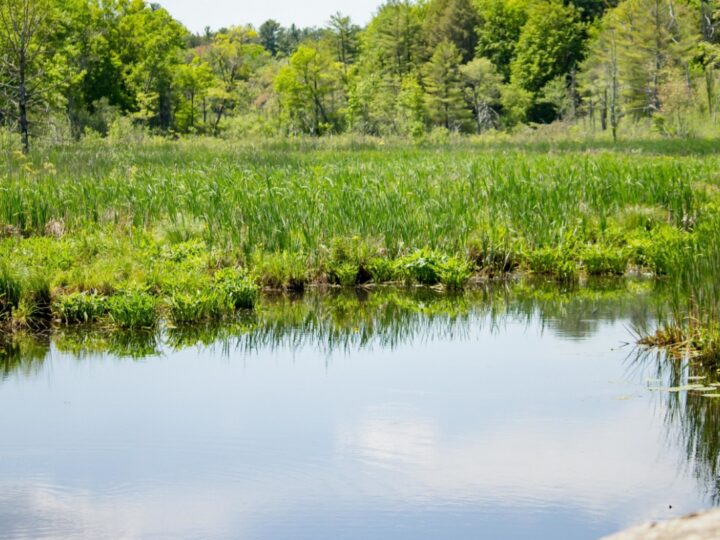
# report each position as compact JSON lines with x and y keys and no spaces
{"x":389,"y":414}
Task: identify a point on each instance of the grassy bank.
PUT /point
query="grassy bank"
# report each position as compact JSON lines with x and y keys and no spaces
{"x":189,"y":231}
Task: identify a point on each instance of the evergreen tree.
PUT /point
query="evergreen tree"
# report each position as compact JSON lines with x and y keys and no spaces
{"x":344,"y":39}
{"x":443,"y":87}
{"x":391,"y":42}
{"x":269,"y":35}
{"x":655,"y":41}
{"x":452,"y":20}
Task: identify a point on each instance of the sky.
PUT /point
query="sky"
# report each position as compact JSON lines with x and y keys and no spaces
{"x":197,"y":14}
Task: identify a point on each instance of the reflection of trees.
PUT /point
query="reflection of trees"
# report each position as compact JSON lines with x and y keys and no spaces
{"x":692,"y":421}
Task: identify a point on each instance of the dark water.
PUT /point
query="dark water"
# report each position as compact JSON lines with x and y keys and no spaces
{"x":500,"y":414}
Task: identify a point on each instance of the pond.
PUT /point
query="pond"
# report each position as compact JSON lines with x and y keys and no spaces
{"x":510,"y":411}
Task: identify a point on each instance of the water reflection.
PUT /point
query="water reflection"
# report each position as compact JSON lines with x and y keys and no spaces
{"x":351,"y":319}
{"x":387,"y":413}
{"x":692,"y":420}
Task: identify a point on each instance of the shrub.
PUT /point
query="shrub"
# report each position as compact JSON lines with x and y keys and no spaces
{"x":345,"y":274}
{"x":349,"y":260}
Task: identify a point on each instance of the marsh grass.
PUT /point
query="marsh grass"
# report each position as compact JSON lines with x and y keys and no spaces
{"x":162,"y":219}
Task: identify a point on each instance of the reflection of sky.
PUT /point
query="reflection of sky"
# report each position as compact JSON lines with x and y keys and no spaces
{"x":512,"y":434}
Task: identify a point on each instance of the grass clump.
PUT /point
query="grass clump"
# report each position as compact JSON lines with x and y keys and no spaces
{"x":383,"y":270}
{"x":236,"y":288}
{"x":35,"y":307}
{"x":80,"y":308}
{"x":555,"y":262}
{"x":195,"y":306}
{"x":283,"y":270}
{"x":427,"y":267}
{"x":495,"y":250}
{"x":133,"y":310}
{"x":10,"y":292}
{"x":604,"y":261}
{"x":350,"y":259}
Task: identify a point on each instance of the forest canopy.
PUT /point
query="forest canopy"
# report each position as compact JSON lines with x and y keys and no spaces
{"x":79,"y":67}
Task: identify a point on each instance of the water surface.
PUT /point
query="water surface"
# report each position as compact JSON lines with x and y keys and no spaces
{"x":503,"y":413}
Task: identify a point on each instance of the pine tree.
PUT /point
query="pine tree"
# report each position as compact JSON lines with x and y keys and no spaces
{"x":454,"y":21}
{"x":443,"y":87}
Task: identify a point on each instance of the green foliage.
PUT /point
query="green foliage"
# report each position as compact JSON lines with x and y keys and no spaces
{"x":501,"y":22}
{"x":495,"y":250}
{"x":36,"y":300}
{"x":236,"y":288}
{"x":550,"y":43}
{"x":455,"y":273}
{"x":391,"y":43}
{"x":553,"y":261}
{"x":482,"y":91}
{"x":443,"y":87}
{"x":454,"y":21}
{"x":383,"y":270}
{"x":604,"y":261}
{"x":10,"y":291}
{"x":283,"y":270}
{"x":80,"y":308}
{"x":422,"y":266}
{"x":132,"y":310}
{"x":195,"y":306}
{"x":234,"y":57}
{"x":308,"y":88}
{"x":428,"y":267}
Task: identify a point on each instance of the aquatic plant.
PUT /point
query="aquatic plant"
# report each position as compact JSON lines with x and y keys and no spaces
{"x":79,"y":308}
{"x":132,"y":310}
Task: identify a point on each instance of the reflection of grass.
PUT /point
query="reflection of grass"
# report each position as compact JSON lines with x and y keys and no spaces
{"x":22,"y":352}
{"x":81,"y":341}
{"x":386,"y":316}
{"x":692,"y":419}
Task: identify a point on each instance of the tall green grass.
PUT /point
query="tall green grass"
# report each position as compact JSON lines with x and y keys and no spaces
{"x":298,"y":200}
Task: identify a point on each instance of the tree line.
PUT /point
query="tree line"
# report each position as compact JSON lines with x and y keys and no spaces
{"x":456,"y":65}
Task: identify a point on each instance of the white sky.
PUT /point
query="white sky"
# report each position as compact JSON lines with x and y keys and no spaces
{"x":197,"y":14}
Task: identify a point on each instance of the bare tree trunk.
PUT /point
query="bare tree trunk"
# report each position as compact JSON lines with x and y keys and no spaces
{"x":22,"y":106}
{"x":710,"y":90}
{"x":613,"y":106}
